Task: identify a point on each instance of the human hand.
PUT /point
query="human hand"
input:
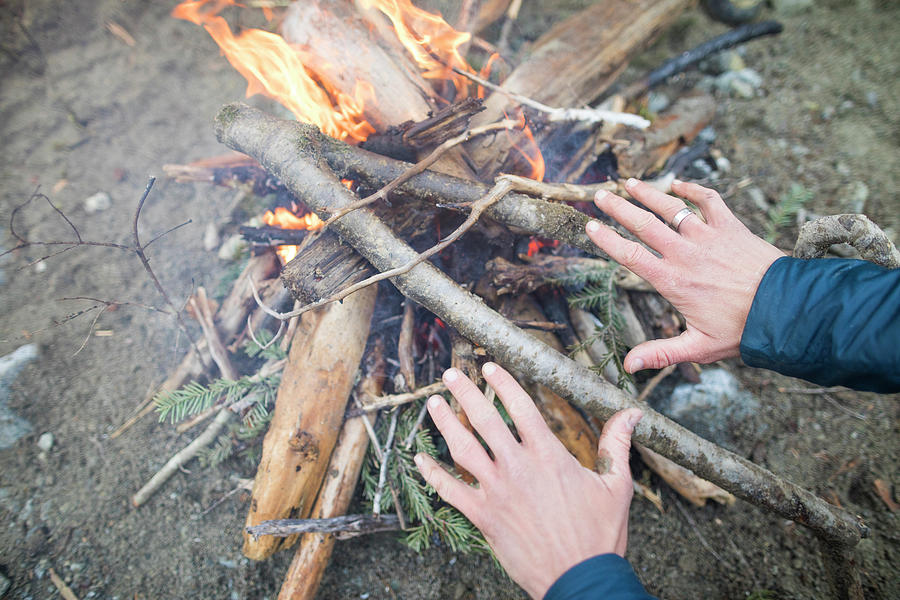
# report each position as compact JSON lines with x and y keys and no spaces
{"x":708,"y":271}
{"x":538,"y":508}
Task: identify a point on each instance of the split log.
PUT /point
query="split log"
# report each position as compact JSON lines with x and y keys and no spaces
{"x":573,"y":63}
{"x":314,"y":550}
{"x":648,"y":150}
{"x":292,"y":151}
{"x":562,"y":418}
{"x":323,"y":267}
{"x":308,"y":412}
{"x":343,"y":526}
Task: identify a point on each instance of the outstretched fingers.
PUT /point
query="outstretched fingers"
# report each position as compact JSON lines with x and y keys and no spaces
{"x":464,"y":447}
{"x":715,"y":211}
{"x":664,"y":205}
{"x":627,"y":253}
{"x":644,"y":224}
{"x":449,"y":488}
{"x":521,"y":408}
{"x":481,"y":413}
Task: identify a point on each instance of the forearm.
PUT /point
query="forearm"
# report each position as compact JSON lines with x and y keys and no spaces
{"x":832,"y":322}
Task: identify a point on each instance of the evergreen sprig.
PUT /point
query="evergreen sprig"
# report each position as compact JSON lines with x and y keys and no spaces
{"x":598,"y":295}
{"x":273,"y":352}
{"x":195,"y":398}
{"x":782,"y":214}
{"x":429,"y":518}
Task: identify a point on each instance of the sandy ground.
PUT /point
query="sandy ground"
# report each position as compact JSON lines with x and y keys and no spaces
{"x":82,"y":112}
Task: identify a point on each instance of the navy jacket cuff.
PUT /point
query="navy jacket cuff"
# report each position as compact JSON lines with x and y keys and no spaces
{"x":607,"y":576}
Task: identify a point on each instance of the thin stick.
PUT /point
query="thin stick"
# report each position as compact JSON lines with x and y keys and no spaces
{"x":382,"y":474}
{"x":406,"y":346}
{"x":183,"y":456}
{"x":407,"y":443}
{"x":699,"y":535}
{"x":347,"y":526}
{"x":64,"y":590}
{"x":213,"y":341}
{"x":375,"y":404}
{"x":424,"y":164}
{"x":587,"y":115}
{"x":655,"y":381}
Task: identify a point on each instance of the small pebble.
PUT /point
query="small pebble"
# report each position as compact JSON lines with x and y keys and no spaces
{"x":96,"y":203}
{"x":872,"y":99}
{"x":657,"y":102}
{"x":45,"y":442}
{"x":211,"y":237}
{"x":758,"y":198}
{"x":40,"y":267}
{"x":232,"y":248}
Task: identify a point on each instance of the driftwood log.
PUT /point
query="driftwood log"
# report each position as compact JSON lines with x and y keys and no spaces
{"x":309,"y":409}
{"x":293,"y":152}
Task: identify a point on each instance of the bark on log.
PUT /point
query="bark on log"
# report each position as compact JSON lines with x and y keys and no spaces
{"x":573,"y":63}
{"x":522,"y":278}
{"x":309,"y":409}
{"x":301,"y":582}
{"x":324,"y":267}
{"x":292,"y":151}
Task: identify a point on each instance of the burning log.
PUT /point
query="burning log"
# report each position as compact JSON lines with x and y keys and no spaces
{"x":309,"y":409}
{"x":293,"y":152}
{"x":314,"y":550}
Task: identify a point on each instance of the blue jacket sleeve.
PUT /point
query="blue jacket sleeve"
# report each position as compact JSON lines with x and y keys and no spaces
{"x":832,"y":322}
{"x":604,"y":577}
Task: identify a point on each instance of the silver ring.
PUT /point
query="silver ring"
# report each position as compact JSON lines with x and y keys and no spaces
{"x":680,"y":216}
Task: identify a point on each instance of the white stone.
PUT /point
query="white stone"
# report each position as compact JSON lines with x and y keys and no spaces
{"x":96,"y":203}
{"x":45,"y":442}
{"x":211,"y":237}
{"x":232,"y":248}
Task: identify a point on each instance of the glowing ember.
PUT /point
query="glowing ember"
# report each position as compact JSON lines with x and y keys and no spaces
{"x":274,"y":68}
{"x":285,"y":219}
{"x":428,"y":38}
{"x":535,"y":245}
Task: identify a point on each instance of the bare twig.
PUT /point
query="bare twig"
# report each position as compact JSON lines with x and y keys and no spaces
{"x":374,"y":404}
{"x":382,"y":474}
{"x":655,"y":381}
{"x":216,"y":349}
{"x":423,"y":164}
{"x":406,"y":346}
{"x":587,"y":115}
{"x":64,"y":590}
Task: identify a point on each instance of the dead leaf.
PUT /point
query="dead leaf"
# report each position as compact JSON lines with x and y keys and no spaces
{"x":884,"y":492}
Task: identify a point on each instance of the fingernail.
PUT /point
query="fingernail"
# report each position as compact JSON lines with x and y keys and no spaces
{"x":634,"y":419}
{"x":677,"y":182}
{"x":637,"y":364}
{"x":451,"y":375}
{"x":631,"y":183}
{"x":600,"y":195}
{"x":434,"y":401}
{"x":488,"y":369}
{"x":593,"y":226}
{"x":419,"y":460}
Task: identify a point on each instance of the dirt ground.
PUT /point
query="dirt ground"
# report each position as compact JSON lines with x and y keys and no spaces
{"x":81,"y":112}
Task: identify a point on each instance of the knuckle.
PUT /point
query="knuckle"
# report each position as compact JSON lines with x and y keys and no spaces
{"x":710,"y":196}
{"x":631,"y":254}
{"x":644,"y":222}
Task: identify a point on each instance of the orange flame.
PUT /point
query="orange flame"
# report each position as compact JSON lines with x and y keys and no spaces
{"x":275,"y":69}
{"x":285,"y":219}
{"x":485,"y":73}
{"x":428,"y":38}
{"x":529,"y":149}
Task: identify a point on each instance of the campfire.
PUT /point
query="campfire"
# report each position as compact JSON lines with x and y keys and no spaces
{"x":407,"y":163}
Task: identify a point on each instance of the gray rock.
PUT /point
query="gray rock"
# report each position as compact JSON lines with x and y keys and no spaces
{"x":742,"y":83}
{"x":758,"y":197}
{"x":717,"y":408}
{"x":97,"y":203}
{"x":657,"y":102}
{"x":45,"y":442}
{"x":12,"y":426}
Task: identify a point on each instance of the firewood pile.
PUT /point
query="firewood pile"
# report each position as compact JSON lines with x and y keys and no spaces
{"x":425,"y":234}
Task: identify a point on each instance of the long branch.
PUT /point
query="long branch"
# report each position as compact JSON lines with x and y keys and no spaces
{"x":292,"y":151}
